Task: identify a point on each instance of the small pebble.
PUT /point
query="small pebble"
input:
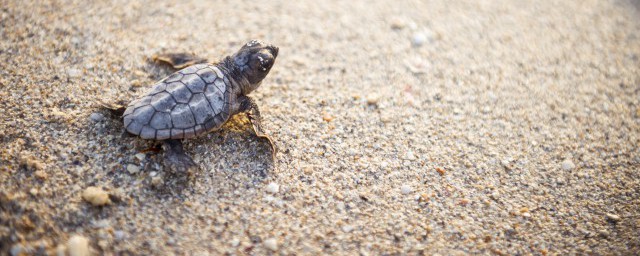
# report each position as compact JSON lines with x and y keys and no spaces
{"x":373,"y":99}
{"x":567,"y":165}
{"x":140,"y":156}
{"x":418,"y":39}
{"x":326,"y":117}
{"x":613,"y":217}
{"x":40,"y":174}
{"x":308,"y":170}
{"x":96,"y":117}
{"x":136,"y":83}
{"x":101,"y":224}
{"x":410,"y":156}
{"x":235,"y":242}
{"x":16,"y":250}
{"x":157,"y":180}
{"x":78,"y":246}
{"x":118,"y":235}
{"x":347,"y":228}
{"x":58,"y":60}
{"x":74,"y":72}
{"x":273,"y":188}
{"x":406,"y":189}
{"x":133,"y":169}
{"x":422,"y":37}
{"x":271,"y":244}
{"x":604,"y":233}
{"x":397,"y":23}
{"x":96,"y":196}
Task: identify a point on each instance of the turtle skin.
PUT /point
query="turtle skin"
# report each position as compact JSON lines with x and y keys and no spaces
{"x":188,"y":103}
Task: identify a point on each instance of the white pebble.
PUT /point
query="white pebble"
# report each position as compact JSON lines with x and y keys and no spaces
{"x":613,"y":217}
{"x":118,"y":235}
{"x":96,"y":117}
{"x":271,"y":244}
{"x":78,"y":246}
{"x":58,"y":60}
{"x":422,"y":37}
{"x":406,"y":189}
{"x":140,"y":156}
{"x":418,"y":39}
{"x":410,"y":156}
{"x":347,"y":228}
{"x":273,"y":188}
{"x":133,"y":169}
{"x":74,"y":72}
{"x":16,"y":250}
{"x":567,"y":165}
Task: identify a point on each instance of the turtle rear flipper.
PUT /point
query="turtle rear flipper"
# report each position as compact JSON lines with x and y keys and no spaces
{"x":175,"y":158}
{"x":178,"y":60}
{"x":114,"y":108}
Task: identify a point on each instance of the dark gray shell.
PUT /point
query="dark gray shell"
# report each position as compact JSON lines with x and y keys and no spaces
{"x":190,"y":102}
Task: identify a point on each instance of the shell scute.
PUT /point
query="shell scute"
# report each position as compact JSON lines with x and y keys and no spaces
{"x":148,"y":132}
{"x":200,"y":108}
{"x":163,"y":102}
{"x":194,"y":83}
{"x":161,"y":120}
{"x":173,"y":77}
{"x":207,"y":75}
{"x":179,"y":91}
{"x":183,"y":117}
{"x":163,"y":134}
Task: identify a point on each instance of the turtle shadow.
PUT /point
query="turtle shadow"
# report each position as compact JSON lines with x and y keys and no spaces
{"x":232,"y":156}
{"x":233,"y":152}
{"x":234,"y":148}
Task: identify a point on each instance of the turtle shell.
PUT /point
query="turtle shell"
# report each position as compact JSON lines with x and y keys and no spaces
{"x":189,"y":102}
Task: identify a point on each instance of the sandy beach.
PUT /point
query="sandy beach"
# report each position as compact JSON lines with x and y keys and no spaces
{"x":402,"y":127}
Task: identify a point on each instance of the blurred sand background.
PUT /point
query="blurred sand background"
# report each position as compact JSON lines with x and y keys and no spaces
{"x":404,"y":127}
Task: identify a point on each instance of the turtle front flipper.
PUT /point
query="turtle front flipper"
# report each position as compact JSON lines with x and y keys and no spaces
{"x":176,"y":159}
{"x":249,"y":106}
{"x":114,"y":108}
{"x":178,"y":60}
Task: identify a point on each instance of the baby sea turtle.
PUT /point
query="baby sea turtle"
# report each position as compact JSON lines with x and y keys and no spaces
{"x":200,"y":97}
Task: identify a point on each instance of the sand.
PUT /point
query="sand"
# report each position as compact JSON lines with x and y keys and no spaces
{"x":403,"y":127}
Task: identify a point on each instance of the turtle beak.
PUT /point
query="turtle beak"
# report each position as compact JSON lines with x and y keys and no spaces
{"x":274,"y":50}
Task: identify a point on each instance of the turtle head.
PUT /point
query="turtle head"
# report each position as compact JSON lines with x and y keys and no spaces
{"x":254,"y":60}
